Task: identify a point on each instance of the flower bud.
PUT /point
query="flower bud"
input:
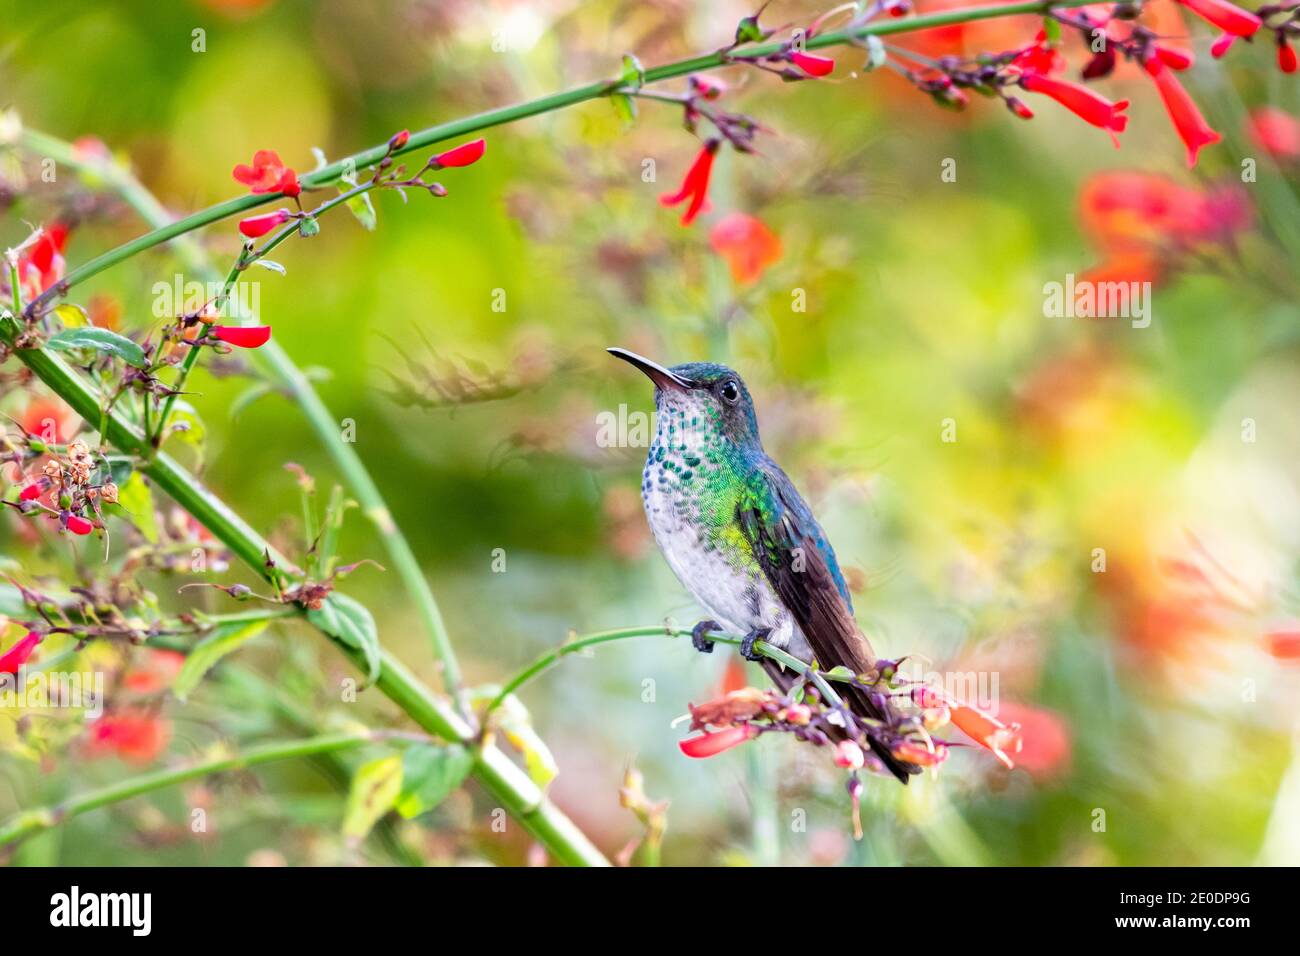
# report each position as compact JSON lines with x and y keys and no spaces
{"x":464,"y":155}
{"x":242,"y":336}
{"x":848,"y":755}
{"x":79,"y":525}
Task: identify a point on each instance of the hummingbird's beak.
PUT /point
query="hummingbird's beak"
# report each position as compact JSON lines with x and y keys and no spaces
{"x":662,"y":377}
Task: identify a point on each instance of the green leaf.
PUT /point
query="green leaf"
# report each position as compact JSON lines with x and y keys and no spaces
{"x":876,"y":54}
{"x":633,"y":72}
{"x":840,"y":671}
{"x":374,"y":789}
{"x":429,"y":775}
{"x":624,"y":106}
{"x":223,"y":639}
{"x":1052,"y":28}
{"x":136,"y":500}
{"x":361,"y":207}
{"x":349,"y":621}
{"x":101,"y":340}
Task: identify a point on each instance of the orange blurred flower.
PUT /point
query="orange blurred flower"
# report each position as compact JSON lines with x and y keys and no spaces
{"x":154,"y":673}
{"x":746,"y":244}
{"x":1045,"y":740}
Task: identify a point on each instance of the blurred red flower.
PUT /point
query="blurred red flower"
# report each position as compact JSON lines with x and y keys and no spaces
{"x":134,"y":735}
{"x":41,"y":264}
{"x":267,"y":174}
{"x":1145,"y":224}
{"x":1276,"y":132}
{"x":50,"y":420}
{"x":1045,"y":739}
{"x":154,"y":673}
{"x":746,"y":244}
{"x":1283,"y":643}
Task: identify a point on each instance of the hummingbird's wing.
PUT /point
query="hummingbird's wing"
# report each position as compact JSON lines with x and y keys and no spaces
{"x":798,"y":562}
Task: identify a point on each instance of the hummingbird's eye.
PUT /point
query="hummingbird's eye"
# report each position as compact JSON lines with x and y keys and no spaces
{"x":730,"y":392}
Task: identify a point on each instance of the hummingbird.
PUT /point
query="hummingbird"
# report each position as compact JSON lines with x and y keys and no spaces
{"x":740,"y":537}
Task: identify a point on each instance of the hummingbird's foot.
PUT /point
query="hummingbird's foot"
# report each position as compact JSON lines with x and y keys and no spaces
{"x":700,"y":642}
{"x":747,"y":643}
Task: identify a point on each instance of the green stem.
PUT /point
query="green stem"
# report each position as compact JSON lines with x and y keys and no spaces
{"x":509,"y":114}
{"x":28,"y":822}
{"x":548,"y":660}
{"x":517,"y":793}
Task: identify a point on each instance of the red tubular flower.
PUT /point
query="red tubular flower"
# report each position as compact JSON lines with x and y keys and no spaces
{"x":1174,"y":59}
{"x":747,"y":244}
{"x":17,"y":655}
{"x":1228,"y":17}
{"x":695,"y":185}
{"x":710,"y":743}
{"x":986,"y":730}
{"x":1187,"y":119}
{"x":1082,"y":102}
{"x":242,"y":336}
{"x":79,"y":525}
{"x":812,"y":65}
{"x":267,"y":175}
{"x":1286,"y":58}
{"x":255,"y":226}
{"x":466,"y":154}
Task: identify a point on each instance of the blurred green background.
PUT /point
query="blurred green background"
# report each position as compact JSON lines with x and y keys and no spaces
{"x":1158,"y":691}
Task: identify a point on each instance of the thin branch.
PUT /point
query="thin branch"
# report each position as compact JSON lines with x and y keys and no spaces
{"x":442,"y":132}
{"x":29,"y":822}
